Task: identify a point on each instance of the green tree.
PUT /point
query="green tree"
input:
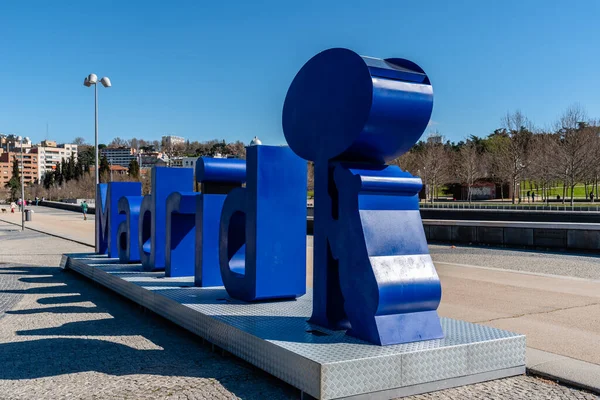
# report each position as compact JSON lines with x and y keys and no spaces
{"x":104,"y":169}
{"x":59,"y":178}
{"x":77,"y":170}
{"x":85,"y":154}
{"x":134,"y":169}
{"x":14,"y":184}
{"x":71,"y":172}
{"x":67,"y":175}
{"x":49,"y":179}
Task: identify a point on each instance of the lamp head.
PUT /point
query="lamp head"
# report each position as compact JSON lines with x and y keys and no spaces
{"x":86,"y":82}
{"x":105,"y":82}
{"x":92,"y":79}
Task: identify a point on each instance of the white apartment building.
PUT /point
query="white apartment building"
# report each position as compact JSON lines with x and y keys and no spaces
{"x":171,"y":141}
{"x":50,"y":154}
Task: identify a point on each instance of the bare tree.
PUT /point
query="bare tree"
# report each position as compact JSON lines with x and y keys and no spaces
{"x":79,"y":141}
{"x":510,"y":149}
{"x":409,"y":162}
{"x":118,"y":142}
{"x":595,"y":157}
{"x":434,"y":167}
{"x":469,"y":166}
{"x":576,"y":147}
{"x":543,"y":168}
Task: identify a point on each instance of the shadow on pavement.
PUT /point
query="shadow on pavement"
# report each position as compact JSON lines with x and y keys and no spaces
{"x":175,"y":352}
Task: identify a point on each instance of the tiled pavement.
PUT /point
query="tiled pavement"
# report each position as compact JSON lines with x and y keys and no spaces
{"x":65,"y":337}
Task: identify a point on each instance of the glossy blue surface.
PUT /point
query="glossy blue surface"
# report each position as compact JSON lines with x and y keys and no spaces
{"x":342,"y":105}
{"x":220,"y":170}
{"x":129,"y":250}
{"x":390,"y":297}
{"x":217,"y":177}
{"x":262,"y":241}
{"x":153,"y":214}
{"x":180,"y":234}
{"x":107,"y":198}
{"x":371,"y":268}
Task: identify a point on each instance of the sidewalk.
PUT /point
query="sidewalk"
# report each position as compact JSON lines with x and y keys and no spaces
{"x":66,"y":224}
{"x":560,"y":315}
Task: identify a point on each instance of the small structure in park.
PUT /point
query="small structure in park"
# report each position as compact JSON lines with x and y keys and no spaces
{"x":229,"y":263}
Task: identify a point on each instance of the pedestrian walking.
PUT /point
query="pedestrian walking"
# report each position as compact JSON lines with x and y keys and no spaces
{"x":12,"y":207}
{"x":533,"y":197}
{"x":592,"y":197}
{"x":84,"y":209}
{"x":528,"y":194}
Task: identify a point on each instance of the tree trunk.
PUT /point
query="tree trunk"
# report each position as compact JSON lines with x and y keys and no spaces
{"x":514,"y":189}
{"x":572,"y":195}
{"x":564,"y":198}
{"x":585,"y":186}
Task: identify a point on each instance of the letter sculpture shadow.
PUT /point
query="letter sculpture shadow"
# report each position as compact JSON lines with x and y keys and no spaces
{"x":217,"y":177}
{"x":262,"y":240}
{"x":129,"y":250}
{"x":372,"y":269}
{"x":152,"y":219}
{"x":107,"y":214}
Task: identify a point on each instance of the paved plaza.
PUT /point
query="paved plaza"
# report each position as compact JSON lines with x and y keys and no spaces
{"x":61,"y":336}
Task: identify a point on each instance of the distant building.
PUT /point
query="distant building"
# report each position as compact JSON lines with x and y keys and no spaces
{"x":114,"y":170}
{"x":11,"y":143}
{"x":176,"y":162}
{"x":151,"y":159}
{"x":29,"y":169}
{"x":118,"y":156}
{"x":50,"y":154}
{"x":190,"y":162}
{"x":435,"y":138}
{"x":171,"y":141}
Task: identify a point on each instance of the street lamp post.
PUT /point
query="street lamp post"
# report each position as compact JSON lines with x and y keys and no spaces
{"x":20,"y":138}
{"x":92,"y":79}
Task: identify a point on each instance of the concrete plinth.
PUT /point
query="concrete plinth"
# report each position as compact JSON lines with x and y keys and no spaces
{"x":276,"y":337}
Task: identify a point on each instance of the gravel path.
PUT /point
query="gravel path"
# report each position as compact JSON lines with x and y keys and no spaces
{"x":585,"y":266}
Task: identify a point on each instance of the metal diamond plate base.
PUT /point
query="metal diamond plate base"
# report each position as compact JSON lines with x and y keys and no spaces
{"x":275,"y":337}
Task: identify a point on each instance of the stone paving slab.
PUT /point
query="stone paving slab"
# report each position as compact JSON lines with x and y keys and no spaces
{"x":68,"y":338}
{"x":568,"y":370}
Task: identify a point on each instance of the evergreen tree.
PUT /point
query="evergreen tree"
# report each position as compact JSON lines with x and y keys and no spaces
{"x":71,"y":172}
{"x":77,"y":170}
{"x":65,"y":170}
{"x":14,"y":184}
{"x":49,"y":179}
{"x":104,"y":169}
{"x":58,"y":175}
{"x":134,"y":169}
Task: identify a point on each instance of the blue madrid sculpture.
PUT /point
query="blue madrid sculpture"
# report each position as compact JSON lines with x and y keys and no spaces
{"x":152,"y":218}
{"x":217,"y":177}
{"x":129,"y":249}
{"x":372,"y":270}
{"x":262,"y":240}
{"x":109,"y":219}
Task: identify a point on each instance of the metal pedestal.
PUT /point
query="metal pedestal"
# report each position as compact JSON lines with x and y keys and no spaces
{"x":276,"y":337}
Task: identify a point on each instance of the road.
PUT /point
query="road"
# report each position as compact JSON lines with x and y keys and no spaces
{"x":60,"y":334}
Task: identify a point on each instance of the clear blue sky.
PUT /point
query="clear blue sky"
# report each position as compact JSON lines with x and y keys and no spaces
{"x":208,"y":70}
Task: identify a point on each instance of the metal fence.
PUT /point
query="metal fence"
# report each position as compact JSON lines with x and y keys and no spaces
{"x":526,"y":207}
